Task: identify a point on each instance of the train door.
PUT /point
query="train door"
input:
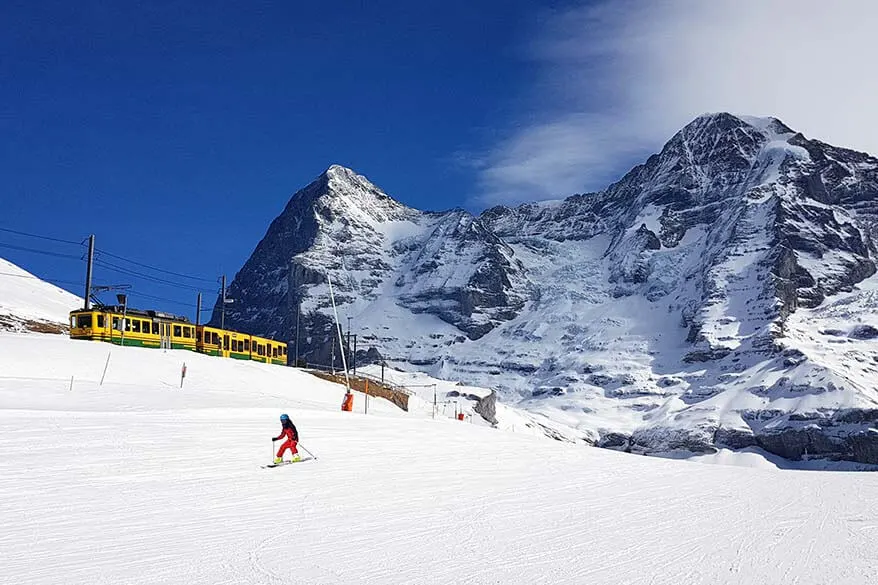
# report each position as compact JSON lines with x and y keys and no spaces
{"x":165,"y":335}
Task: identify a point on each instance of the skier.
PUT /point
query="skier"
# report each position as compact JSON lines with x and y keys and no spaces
{"x":289,"y":431}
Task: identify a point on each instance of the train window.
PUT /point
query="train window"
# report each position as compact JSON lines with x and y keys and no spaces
{"x":135,"y":326}
{"x":100,"y":321}
{"x":198,"y":336}
{"x":178,"y":331}
{"x":246,"y":345}
{"x":155,"y":328}
{"x":273,"y":352}
{"x":186,"y":332}
{"x":145,"y":326}
{"x":127,"y":324}
{"x":116,"y":323}
{"x":85,"y":320}
{"x":215,"y":338}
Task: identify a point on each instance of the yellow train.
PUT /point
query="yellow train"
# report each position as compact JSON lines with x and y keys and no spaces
{"x":162,"y":330}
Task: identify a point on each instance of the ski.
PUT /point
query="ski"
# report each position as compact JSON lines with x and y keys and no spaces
{"x":281,"y":464}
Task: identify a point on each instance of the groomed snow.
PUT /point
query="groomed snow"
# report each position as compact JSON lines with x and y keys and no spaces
{"x":140,"y":482}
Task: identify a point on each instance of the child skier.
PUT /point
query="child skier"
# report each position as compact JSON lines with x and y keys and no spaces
{"x":288,"y":430}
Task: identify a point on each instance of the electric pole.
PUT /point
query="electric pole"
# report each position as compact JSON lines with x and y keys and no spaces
{"x":223,"y":303}
{"x":198,"y":311}
{"x":354,"y":356}
{"x":88,"y":269}
{"x":298,"y":314}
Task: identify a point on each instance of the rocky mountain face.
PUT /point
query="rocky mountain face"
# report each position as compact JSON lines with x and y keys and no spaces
{"x":722,"y":294}
{"x":380,"y":252}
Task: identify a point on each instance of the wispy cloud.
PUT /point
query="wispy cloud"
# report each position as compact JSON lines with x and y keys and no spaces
{"x":619,"y":78}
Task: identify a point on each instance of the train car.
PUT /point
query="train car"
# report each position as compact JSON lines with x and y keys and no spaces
{"x":222,"y":343}
{"x":268,"y":350}
{"x":116,"y":324}
{"x":133,"y":327}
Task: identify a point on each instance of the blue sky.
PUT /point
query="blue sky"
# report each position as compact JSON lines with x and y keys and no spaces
{"x":176,"y":131}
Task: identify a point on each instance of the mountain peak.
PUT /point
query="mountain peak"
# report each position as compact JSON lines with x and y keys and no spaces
{"x":769,"y":126}
{"x":339,"y":171}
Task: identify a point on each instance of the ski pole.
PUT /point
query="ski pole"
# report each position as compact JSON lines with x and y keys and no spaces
{"x":272,"y":448}
{"x":301,"y":446}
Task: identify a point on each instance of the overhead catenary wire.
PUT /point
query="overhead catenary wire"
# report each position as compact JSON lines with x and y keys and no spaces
{"x":38,"y":251}
{"x":32,"y":277}
{"x":148,"y":277}
{"x":135,"y":293}
{"x":41,"y":237}
{"x":128,"y":271}
{"x":104,"y":252}
{"x":162,"y":270}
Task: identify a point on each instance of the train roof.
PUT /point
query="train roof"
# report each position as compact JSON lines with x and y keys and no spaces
{"x":119,"y":309}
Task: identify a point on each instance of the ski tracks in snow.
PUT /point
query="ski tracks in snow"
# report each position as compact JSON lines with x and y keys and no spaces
{"x":178,"y":496}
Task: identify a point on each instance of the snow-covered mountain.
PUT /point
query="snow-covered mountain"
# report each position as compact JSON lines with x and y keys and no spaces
{"x":30,"y":304}
{"x":720,"y":294}
{"x":444,"y":267}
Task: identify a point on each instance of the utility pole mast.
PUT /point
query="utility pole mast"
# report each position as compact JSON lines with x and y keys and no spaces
{"x":298,"y":314}
{"x":198,"y":311}
{"x":88,"y":269}
{"x":223,"y":304}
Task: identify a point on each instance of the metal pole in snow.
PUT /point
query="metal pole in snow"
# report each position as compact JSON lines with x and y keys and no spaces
{"x":344,"y":361}
{"x":105,"y":369}
{"x":71,"y":383}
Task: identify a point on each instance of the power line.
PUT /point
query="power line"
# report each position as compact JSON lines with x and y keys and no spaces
{"x":31,"y":276}
{"x":155,"y":298}
{"x":104,"y":252}
{"x":36,"y":251}
{"x":51,"y":239}
{"x":99,"y":251}
{"x":148,"y":277}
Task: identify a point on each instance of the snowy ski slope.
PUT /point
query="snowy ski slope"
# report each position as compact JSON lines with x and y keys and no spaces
{"x":26,"y":301}
{"x":137,"y":481}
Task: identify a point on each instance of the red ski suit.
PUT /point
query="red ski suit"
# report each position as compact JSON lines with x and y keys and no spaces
{"x":292,"y":438}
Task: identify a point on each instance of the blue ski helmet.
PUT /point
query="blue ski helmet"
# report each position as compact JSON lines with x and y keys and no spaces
{"x":284,"y":417}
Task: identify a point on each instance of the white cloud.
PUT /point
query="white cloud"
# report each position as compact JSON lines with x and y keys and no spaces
{"x":621,"y":77}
